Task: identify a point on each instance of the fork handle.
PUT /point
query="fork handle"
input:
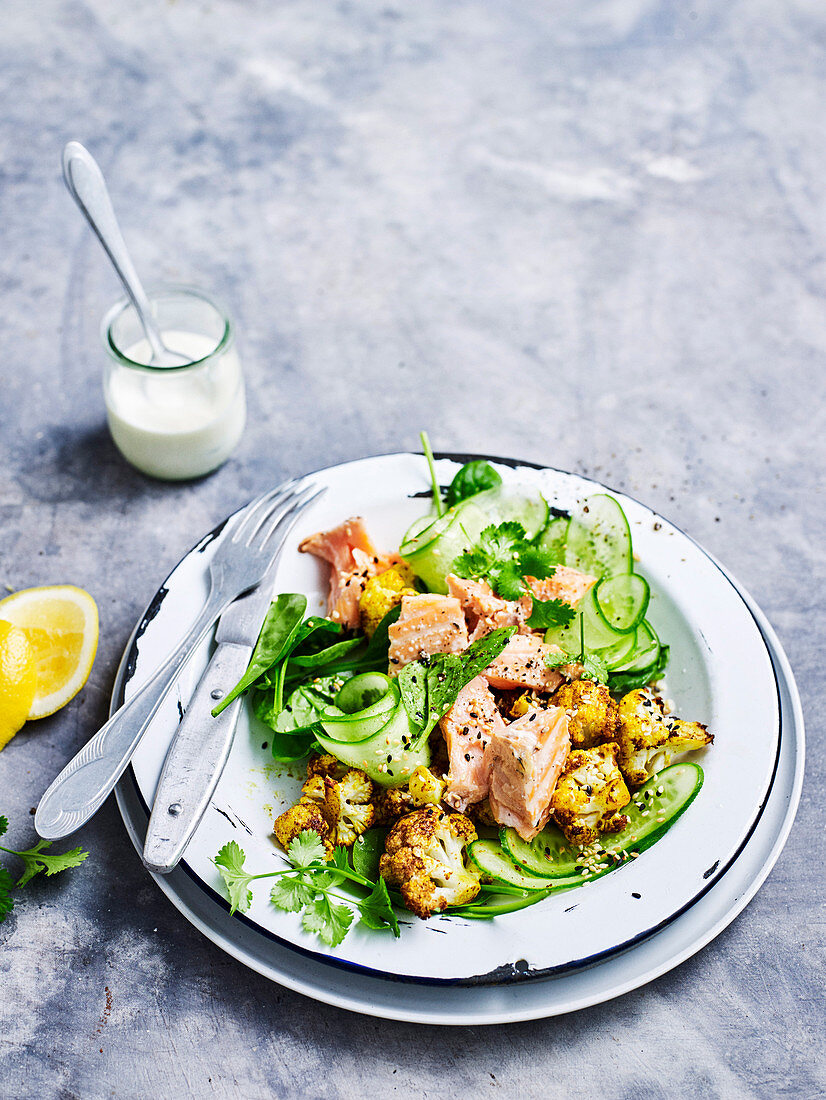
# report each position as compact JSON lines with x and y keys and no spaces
{"x":89,"y":777}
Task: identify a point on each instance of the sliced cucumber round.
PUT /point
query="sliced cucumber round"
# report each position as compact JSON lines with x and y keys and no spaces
{"x":664,"y":798}
{"x":501,"y":504}
{"x":549,"y":854}
{"x":362,"y":691}
{"x":489,"y":858}
{"x":552,"y":540}
{"x":646,"y":650}
{"x":599,"y":538}
{"x":622,"y":601}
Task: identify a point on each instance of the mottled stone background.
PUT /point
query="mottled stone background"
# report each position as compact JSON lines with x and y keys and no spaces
{"x":589,"y":234}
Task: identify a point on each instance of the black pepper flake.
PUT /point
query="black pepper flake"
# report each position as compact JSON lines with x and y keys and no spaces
{"x":467,"y":756}
{"x":389,"y":758}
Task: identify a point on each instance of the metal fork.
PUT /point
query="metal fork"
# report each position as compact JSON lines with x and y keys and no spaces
{"x":246,"y":548}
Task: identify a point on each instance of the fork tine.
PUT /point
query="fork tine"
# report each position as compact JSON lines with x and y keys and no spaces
{"x":299,"y":505}
{"x":259,"y":509}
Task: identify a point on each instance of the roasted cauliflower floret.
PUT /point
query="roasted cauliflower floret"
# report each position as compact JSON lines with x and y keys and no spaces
{"x":325,"y":765}
{"x":301,"y":816}
{"x":425,"y":788}
{"x":348,"y":806}
{"x":382,"y":593}
{"x":589,"y":793}
{"x":592,"y":713}
{"x":649,"y":738}
{"x":313,"y":790}
{"x":424,"y":858}
{"x":392,"y":803}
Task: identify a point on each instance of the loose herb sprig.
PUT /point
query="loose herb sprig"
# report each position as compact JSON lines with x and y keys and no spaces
{"x":593,"y":665}
{"x":34,"y":860}
{"x":437,"y":492}
{"x":503,"y":556}
{"x":309,"y":887}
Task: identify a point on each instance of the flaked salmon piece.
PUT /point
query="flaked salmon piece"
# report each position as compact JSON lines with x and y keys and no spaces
{"x":526,"y":758}
{"x":521,"y":664}
{"x":484,"y":610}
{"x":426,"y":624}
{"x":566,"y":584}
{"x":353,"y":558}
{"x":467,"y":728}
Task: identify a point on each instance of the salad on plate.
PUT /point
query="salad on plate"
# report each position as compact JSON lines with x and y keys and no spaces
{"x":481,"y":713}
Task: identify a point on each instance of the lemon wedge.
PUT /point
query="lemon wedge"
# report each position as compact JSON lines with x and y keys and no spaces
{"x":18,"y":680}
{"x":60,"y":623}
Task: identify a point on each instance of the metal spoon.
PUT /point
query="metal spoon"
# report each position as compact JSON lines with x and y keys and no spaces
{"x":84,"y":179}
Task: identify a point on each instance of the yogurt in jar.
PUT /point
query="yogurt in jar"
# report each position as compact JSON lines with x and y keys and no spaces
{"x":182,"y":422}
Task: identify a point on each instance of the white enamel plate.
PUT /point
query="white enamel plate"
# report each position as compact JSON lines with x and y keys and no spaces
{"x":720,"y":673}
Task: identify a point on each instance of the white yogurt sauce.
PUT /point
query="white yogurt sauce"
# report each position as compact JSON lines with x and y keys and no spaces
{"x":177,"y":424}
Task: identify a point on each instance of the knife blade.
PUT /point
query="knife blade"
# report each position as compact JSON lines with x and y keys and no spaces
{"x":201,"y":743}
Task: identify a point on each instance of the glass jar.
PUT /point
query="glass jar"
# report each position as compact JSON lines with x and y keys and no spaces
{"x":174,"y":422}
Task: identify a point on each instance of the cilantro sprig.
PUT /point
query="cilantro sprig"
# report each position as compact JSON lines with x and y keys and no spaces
{"x":503,"y":556}
{"x":309,"y":887}
{"x":593,"y":665}
{"x":34,"y":861}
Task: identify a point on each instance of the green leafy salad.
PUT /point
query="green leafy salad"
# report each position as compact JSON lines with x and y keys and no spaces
{"x":478,"y":713}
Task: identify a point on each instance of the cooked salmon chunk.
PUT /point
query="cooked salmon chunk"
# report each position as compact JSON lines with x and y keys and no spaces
{"x":354,"y":561}
{"x":484,"y":610}
{"x":467,"y":728}
{"x":521,"y":664}
{"x":426,"y":624}
{"x":526,"y":758}
{"x":566,"y":584}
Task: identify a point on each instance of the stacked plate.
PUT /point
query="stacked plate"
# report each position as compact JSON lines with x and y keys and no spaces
{"x":727,"y":669}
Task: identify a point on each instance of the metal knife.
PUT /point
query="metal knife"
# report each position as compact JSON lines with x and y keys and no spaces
{"x":201,"y":744}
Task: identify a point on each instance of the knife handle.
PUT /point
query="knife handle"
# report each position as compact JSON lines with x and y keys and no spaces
{"x":195,"y":760}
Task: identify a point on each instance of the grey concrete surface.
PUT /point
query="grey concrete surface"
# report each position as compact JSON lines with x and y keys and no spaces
{"x":592,"y":235}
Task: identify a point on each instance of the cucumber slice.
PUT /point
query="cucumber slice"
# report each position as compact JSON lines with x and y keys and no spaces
{"x":553,"y":539}
{"x":646,"y":649}
{"x":362,"y":691}
{"x":358,"y":727}
{"x":620,"y":652}
{"x":597,"y":633}
{"x":501,"y":504}
{"x":599,"y":538}
{"x":390,"y":756}
{"x":549,"y":854}
{"x":622,"y":601}
{"x":489,"y":858}
{"x":680,"y":784}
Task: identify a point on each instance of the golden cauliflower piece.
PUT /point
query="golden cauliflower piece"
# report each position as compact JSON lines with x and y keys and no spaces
{"x":348,"y":806}
{"x":393,"y":803}
{"x":382,"y":593}
{"x":592,"y":713}
{"x":649,"y":738}
{"x":426,"y":788}
{"x":588,"y":794}
{"x":325,"y":765}
{"x":424,"y":858}
{"x":301,"y":816}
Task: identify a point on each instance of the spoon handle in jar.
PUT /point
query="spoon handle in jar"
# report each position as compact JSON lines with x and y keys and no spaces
{"x":86,"y":185}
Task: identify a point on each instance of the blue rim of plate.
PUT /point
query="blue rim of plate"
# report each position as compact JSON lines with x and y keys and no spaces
{"x":517,"y":971}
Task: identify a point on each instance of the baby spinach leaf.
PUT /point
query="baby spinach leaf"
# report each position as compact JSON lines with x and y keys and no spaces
{"x":473,"y":478}
{"x":281,"y":624}
{"x":367,"y":852}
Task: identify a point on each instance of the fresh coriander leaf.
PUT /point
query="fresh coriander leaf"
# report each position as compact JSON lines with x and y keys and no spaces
{"x":474,"y":477}
{"x":376,"y":910}
{"x":4,"y":824}
{"x":554,"y":660}
{"x":595,"y":668}
{"x":230,"y":864}
{"x":331,"y":922}
{"x":34,"y":860}
{"x":277,"y":635}
{"x":306,"y":849}
{"x":546,"y":613}
{"x":6,"y":896}
{"x":503,"y":557}
{"x":291,"y":893}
